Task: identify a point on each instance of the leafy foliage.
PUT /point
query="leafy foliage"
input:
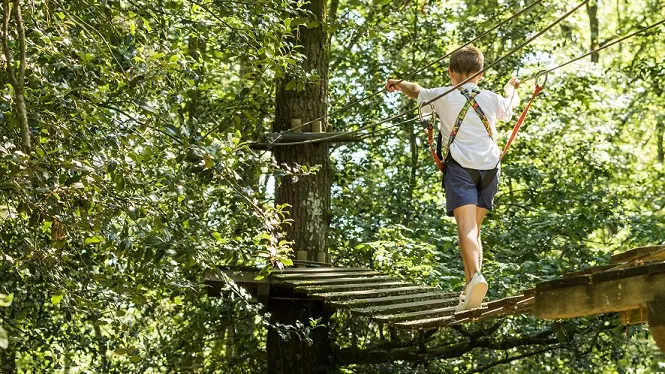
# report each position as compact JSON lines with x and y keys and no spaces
{"x":140,"y":183}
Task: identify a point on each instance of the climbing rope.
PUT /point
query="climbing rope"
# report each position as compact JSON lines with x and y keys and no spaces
{"x":512,"y":51}
{"x":391,"y":118}
{"x":417,"y":71}
{"x":500,"y":59}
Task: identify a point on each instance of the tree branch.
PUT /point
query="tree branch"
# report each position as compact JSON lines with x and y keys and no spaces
{"x":515,"y":358}
{"x":351,"y":355}
{"x":17,"y":82}
{"x":5,"y":43}
{"x":21,"y":42}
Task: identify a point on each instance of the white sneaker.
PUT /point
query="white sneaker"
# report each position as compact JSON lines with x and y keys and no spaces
{"x":475,"y":292}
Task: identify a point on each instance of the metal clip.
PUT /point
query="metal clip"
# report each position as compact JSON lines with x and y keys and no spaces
{"x":538,"y":75}
{"x":423,"y":122}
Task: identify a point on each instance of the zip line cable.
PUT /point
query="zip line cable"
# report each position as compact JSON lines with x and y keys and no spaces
{"x":512,"y":51}
{"x":385,"y":128}
{"x":497,"y":61}
{"x":419,"y":70}
{"x":546,"y":71}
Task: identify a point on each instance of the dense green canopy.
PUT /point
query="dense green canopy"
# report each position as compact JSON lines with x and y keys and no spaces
{"x":138,"y":181}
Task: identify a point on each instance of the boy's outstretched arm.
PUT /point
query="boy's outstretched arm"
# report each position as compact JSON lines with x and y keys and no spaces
{"x":410,"y":89}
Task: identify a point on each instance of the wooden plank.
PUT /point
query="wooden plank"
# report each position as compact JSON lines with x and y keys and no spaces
{"x":625,"y":272}
{"x":361,"y":303}
{"x":634,"y":316}
{"x":620,"y":272}
{"x":509,"y":306}
{"x":604,"y":293}
{"x":345,"y":280}
{"x":350,"y":287}
{"x":371,"y":293}
{"x":656,"y":318}
{"x":468,"y":315}
{"x":305,"y":276}
{"x":588,"y":271}
{"x":405,"y":307}
{"x":564,"y":283}
{"x":314,"y":264}
{"x":426,"y":323}
{"x":401,"y":317}
{"x":649,"y":253}
{"x":318,"y":270}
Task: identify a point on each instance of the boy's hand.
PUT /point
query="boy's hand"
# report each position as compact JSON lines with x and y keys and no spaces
{"x":393,"y":86}
{"x":514,"y":82}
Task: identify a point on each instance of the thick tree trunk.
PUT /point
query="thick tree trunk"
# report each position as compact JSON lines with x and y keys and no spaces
{"x":309,"y":200}
{"x":592,"y":11}
{"x":296,"y":356}
{"x":309,"y":195}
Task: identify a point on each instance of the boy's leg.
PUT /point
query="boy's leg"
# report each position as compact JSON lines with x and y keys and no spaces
{"x":468,"y":231}
{"x":480,"y":215}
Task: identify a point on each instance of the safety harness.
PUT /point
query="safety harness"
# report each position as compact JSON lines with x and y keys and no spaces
{"x":437,"y":154}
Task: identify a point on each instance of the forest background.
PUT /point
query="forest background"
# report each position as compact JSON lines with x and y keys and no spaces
{"x":126,"y":177}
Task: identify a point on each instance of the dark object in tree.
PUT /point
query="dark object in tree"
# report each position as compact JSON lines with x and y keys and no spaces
{"x":592,"y":11}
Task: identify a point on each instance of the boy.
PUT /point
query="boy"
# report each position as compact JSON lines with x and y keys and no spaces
{"x":470,"y":155}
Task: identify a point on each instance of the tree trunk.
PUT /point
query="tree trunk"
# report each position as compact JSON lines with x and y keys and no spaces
{"x":592,"y":11}
{"x":295,"y":356}
{"x":309,"y":195}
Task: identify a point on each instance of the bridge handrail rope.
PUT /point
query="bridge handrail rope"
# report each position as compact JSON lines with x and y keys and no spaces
{"x":419,"y":70}
{"x":547,"y":71}
{"x":628,"y":36}
{"x":500,"y":59}
{"x":511,"y":52}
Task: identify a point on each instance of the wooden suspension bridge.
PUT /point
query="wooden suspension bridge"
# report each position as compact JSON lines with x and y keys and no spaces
{"x":632,"y":284}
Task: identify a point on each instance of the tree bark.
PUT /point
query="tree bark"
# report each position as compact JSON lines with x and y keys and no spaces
{"x":309,"y":195}
{"x":295,"y":356}
{"x":592,"y":11}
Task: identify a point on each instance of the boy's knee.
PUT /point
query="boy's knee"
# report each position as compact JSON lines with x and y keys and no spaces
{"x":468,"y":229}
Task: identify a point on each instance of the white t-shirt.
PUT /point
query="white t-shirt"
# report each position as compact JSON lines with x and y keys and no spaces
{"x":472,"y":148}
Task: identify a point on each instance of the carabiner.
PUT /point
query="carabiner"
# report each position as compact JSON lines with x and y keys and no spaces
{"x":546,"y":73}
{"x":423,"y":122}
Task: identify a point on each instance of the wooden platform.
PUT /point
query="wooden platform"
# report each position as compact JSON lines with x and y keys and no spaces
{"x":633,"y":284}
{"x":389,"y":300}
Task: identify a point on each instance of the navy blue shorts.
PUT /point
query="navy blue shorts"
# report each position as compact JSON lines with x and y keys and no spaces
{"x":462,"y":190}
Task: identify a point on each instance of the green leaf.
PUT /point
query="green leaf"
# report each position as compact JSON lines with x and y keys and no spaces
{"x":291,"y":85}
{"x":94,"y":240}
{"x":4,"y":338}
{"x":6,"y":300}
{"x":146,"y":24}
{"x":173,"y":59}
{"x":57,"y":298}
